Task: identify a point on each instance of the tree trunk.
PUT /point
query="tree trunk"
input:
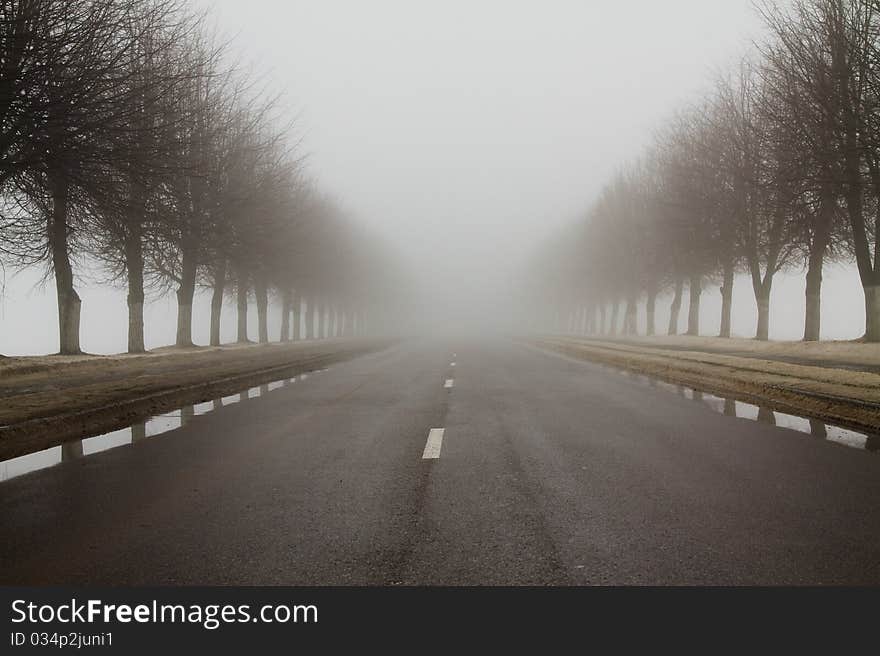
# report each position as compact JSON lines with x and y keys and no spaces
{"x":297,"y":323}
{"x":322,"y":312}
{"x":332,"y":328}
{"x":763,"y":301}
{"x":651,"y":311}
{"x":185,"y":294}
{"x":602,"y":317}
{"x":695,"y":289}
{"x":68,"y":300}
{"x":872,"y":313}
{"x":726,"y":299}
{"x":630,"y":317}
{"x":813,"y":312}
{"x":349,"y":323}
{"x":675,"y":308}
{"x":217,"y":300}
{"x":869,"y":278}
{"x":854,"y":201}
{"x":134,"y":267}
{"x":615,"y":310}
{"x":285,"y":316}
{"x":262,"y":294}
{"x":242,"y":305}
{"x":310,"y":318}
{"x":818,"y":248}
{"x":869,"y":268}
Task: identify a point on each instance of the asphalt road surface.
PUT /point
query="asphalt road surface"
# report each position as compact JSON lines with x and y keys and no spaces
{"x":547,"y":470}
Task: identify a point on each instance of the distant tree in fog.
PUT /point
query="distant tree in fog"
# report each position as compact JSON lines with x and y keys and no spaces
{"x":777,"y":168}
{"x":128,"y":138}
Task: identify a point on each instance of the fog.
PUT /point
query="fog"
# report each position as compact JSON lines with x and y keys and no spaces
{"x":464,"y":133}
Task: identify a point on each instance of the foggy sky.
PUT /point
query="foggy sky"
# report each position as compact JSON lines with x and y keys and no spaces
{"x":464,"y":132}
{"x":467,"y":129}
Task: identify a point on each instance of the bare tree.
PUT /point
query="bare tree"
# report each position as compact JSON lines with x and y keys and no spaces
{"x":799,"y":73}
{"x":143,"y":159}
{"x":73,"y":95}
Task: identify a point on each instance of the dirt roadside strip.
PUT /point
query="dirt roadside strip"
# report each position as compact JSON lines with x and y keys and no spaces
{"x":838,"y":396}
{"x":43,"y":404}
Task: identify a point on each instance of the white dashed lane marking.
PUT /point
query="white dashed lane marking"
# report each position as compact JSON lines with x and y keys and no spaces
{"x":449,"y":383}
{"x":435,"y":441}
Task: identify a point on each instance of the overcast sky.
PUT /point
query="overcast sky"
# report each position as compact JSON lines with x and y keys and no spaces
{"x":464,"y":131}
{"x":464,"y":128}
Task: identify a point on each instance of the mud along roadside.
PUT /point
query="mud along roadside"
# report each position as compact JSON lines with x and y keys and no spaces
{"x":43,"y":404}
{"x":837,"y":396}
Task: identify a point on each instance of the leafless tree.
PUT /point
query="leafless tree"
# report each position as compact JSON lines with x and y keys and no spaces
{"x":73,"y":98}
{"x":143,"y":163}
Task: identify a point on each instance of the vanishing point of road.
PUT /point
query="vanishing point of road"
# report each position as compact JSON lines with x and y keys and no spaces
{"x":453,"y":462}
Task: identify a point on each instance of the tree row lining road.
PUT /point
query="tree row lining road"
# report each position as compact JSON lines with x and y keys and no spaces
{"x":548,"y":470}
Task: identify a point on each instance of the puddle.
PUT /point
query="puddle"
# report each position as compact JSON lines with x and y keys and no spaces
{"x":100,"y":443}
{"x":150,"y":427}
{"x":733,"y":408}
{"x":204,"y":408}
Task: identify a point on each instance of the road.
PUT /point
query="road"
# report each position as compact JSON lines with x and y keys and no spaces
{"x":548,"y":471}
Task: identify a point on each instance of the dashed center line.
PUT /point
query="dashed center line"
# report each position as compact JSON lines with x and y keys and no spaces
{"x":435,"y":441}
{"x":451,"y":364}
{"x":449,"y":383}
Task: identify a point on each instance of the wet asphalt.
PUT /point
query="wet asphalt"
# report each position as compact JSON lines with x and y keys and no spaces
{"x":551,"y":471}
